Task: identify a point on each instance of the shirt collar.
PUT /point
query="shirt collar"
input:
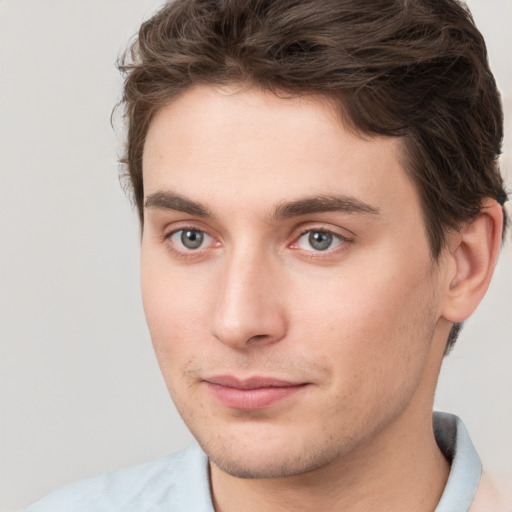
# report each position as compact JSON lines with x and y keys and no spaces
{"x":466,"y":469}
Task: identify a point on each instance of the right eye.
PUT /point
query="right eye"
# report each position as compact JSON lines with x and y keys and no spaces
{"x":189,"y":239}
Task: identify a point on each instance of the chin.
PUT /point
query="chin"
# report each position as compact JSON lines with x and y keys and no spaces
{"x":267,"y":469}
{"x":276,"y":459}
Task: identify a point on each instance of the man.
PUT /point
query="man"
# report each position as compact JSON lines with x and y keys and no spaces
{"x":321,"y":209}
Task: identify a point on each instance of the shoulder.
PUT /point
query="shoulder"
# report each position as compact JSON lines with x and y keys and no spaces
{"x":178,"y":482}
{"x":490,"y":498}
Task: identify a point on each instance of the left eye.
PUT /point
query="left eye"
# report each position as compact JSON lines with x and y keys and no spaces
{"x":319,"y":241}
{"x":190,"y":239}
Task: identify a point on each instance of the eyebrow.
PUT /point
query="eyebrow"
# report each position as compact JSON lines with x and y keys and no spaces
{"x":284,"y":210}
{"x":171,"y":201}
{"x":324,"y":203}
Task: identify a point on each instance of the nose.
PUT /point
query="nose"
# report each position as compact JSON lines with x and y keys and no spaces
{"x":249,"y":311}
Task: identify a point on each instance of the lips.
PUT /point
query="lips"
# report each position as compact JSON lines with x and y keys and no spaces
{"x":254,"y":393}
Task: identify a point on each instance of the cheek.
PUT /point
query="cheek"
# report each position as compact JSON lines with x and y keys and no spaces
{"x":368,"y":328}
{"x":175,"y":321}
{"x":175,"y":308}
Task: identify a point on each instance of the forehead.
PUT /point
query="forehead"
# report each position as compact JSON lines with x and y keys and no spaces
{"x":254,"y":148}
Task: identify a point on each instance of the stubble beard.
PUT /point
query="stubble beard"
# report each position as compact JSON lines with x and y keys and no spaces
{"x":320,"y":448}
{"x":301,"y":462}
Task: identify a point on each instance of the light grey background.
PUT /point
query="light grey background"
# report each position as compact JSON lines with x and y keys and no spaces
{"x":80,"y":389}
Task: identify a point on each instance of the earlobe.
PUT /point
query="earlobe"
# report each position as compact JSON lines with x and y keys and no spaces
{"x":473,"y":252}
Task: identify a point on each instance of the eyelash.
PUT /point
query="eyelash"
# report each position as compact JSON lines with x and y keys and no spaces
{"x":343,"y":242}
{"x":183,"y":253}
{"x":194,"y":253}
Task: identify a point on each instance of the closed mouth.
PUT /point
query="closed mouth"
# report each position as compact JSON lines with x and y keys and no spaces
{"x":252,"y":393}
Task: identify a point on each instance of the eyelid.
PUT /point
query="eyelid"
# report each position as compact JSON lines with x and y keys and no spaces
{"x":334,"y":231}
{"x":205,"y":238}
{"x":344,"y":240}
{"x":173,"y":228}
{"x":183,"y":252}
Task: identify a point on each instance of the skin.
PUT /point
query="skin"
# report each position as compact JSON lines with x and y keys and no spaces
{"x":360,"y":325}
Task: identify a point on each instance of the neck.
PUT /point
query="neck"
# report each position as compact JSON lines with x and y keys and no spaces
{"x":402,"y":469}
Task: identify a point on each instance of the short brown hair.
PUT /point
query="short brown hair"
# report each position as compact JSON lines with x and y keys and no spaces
{"x":415,"y":69}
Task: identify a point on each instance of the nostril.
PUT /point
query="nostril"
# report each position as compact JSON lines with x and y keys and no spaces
{"x":258,"y":337}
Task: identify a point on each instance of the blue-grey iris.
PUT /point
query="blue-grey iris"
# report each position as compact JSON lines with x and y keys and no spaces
{"x":191,"y":239}
{"x":320,"y":240}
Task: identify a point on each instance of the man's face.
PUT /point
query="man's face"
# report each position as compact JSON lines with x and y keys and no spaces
{"x":286,"y":279}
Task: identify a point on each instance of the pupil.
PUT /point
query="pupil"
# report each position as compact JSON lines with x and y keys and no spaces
{"x":191,"y":239}
{"x":319,"y":240}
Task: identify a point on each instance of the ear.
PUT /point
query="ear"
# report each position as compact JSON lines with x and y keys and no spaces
{"x":472,"y":253}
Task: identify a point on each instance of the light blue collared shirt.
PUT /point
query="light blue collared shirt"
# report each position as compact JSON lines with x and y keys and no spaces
{"x":180,"y":482}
